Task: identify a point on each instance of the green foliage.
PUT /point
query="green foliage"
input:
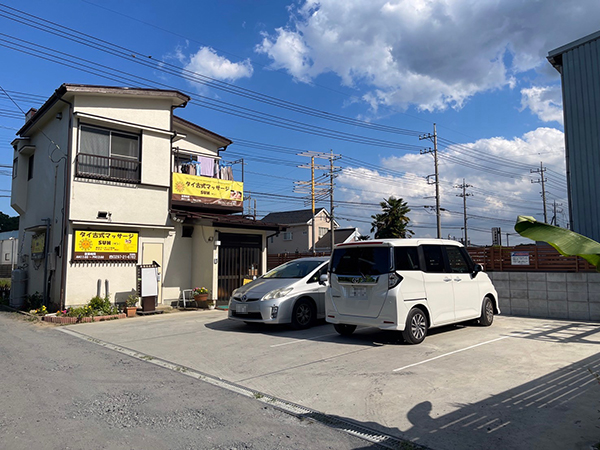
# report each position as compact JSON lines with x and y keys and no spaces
{"x":102,"y":306}
{"x":8,"y":223}
{"x":33,"y":301}
{"x":97,"y":306}
{"x":393,"y":221}
{"x":566,"y":242}
{"x":132,"y":300}
{"x":4,"y":283}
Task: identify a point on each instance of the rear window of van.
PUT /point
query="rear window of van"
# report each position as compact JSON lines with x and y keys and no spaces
{"x":361,"y":261}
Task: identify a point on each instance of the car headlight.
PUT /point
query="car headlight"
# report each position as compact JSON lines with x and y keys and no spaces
{"x":277,"y":293}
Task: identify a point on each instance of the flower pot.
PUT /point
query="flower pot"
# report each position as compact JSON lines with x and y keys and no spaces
{"x":211,"y":305}
{"x":201,"y":297}
{"x":131,"y":311}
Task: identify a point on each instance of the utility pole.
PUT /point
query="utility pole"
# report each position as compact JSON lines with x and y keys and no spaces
{"x":319,"y":193}
{"x":433,"y":138}
{"x":542,"y":180}
{"x":464,"y":195}
{"x":554,"y":220}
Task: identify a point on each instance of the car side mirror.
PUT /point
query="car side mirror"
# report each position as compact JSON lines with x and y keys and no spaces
{"x":323,"y":279}
{"x":476,"y":269}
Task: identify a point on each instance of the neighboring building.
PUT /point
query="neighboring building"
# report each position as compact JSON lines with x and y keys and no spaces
{"x":9,"y":244}
{"x":340,"y":236}
{"x":106,"y":178}
{"x":298,"y":234}
{"x":579,"y":67}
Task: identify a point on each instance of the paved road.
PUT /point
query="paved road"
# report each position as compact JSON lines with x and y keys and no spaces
{"x":62,"y":392}
{"x":521,"y":384}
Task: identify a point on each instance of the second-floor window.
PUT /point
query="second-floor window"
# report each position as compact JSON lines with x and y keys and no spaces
{"x":108,"y":154}
{"x":287,"y":236}
{"x":323,"y":231}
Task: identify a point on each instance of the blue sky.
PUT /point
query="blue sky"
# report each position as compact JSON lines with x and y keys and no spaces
{"x":477,"y":69}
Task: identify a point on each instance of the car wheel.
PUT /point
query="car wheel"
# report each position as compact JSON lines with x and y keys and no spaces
{"x":344,"y":329}
{"x":487,"y":313}
{"x":415,"y":329}
{"x":303,"y":314}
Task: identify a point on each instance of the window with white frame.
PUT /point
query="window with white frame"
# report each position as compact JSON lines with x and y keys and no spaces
{"x":111,"y":154}
{"x":287,"y":236}
{"x":323,"y":231}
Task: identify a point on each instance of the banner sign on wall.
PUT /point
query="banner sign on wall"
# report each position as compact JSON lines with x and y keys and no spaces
{"x":211,"y":191}
{"x":105,"y":246}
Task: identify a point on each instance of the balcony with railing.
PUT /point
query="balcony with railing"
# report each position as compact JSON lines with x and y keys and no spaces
{"x":107,"y":168}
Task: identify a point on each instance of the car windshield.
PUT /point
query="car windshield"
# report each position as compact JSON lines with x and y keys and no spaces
{"x":293,"y":269}
{"x":361,"y":261}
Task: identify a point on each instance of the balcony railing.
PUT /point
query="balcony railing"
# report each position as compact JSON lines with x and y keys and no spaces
{"x":107,"y":168}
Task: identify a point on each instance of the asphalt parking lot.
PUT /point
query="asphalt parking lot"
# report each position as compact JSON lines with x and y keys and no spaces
{"x":522,"y":383}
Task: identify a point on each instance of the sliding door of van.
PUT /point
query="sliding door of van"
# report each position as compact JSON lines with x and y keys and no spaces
{"x":438,"y":285}
{"x":466,"y":288}
{"x":359,"y":279}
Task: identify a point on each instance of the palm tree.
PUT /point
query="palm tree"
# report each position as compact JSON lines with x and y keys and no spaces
{"x":393,"y":221}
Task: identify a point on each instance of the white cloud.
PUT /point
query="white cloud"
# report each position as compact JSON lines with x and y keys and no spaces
{"x":431,"y":53}
{"x":496,"y":199}
{"x":207,"y":62}
{"x":544,"y":101}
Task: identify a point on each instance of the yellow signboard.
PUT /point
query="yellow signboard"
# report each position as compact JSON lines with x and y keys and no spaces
{"x":214,"y":191}
{"x":105,"y":246}
{"x":38,"y":242}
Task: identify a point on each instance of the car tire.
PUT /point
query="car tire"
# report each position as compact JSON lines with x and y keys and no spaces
{"x":344,"y":329}
{"x":487,"y":313}
{"x":415,"y":329}
{"x":304,"y":314}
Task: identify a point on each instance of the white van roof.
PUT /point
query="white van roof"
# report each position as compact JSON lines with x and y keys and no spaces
{"x":400,"y":242}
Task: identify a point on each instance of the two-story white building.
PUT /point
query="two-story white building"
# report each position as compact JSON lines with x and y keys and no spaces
{"x":107,"y":178}
{"x":298,"y":236}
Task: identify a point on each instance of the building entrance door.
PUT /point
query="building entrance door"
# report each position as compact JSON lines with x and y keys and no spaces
{"x":239,"y":258}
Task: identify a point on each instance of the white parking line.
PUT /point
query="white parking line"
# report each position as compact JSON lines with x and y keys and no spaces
{"x":451,"y":353}
{"x":295,"y":341}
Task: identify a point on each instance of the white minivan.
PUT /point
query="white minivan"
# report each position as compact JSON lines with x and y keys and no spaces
{"x":409,"y":285}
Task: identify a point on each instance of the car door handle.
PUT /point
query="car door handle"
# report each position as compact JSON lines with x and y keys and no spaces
{"x":458,"y":279}
{"x":447,"y":279}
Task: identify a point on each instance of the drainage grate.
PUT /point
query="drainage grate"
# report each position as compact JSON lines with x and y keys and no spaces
{"x":301,"y":412}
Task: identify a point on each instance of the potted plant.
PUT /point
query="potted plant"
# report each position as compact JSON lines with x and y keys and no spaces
{"x":130,"y":303}
{"x":200,"y":294}
{"x":210,"y":304}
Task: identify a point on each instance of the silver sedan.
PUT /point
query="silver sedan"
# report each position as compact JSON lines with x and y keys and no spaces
{"x":290,"y":293}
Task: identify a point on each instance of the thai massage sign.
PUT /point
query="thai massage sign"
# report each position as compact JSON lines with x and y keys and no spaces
{"x":212,"y":191}
{"x":105,"y":246}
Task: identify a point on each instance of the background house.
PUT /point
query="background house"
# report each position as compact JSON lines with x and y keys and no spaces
{"x":340,"y":236}
{"x":106,"y":178}
{"x":298,"y":234}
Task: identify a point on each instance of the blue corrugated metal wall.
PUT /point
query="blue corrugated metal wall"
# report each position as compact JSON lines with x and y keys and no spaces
{"x":581,"y":103}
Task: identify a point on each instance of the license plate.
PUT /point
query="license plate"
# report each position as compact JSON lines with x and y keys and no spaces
{"x":358,"y":292}
{"x":241,"y":309}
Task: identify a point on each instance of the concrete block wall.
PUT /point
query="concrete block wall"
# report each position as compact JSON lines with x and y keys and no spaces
{"x":553,"y":295}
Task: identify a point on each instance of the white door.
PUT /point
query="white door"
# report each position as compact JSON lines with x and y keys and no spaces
{"x":466,"y":289}
{"x":438,"y":286}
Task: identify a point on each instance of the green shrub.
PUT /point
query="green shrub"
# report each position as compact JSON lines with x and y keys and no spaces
{"x":33,"y":301}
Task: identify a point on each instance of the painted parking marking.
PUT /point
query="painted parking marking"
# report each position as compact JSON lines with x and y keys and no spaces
{"x":450,"y":353}
{"x":295,"y":341}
